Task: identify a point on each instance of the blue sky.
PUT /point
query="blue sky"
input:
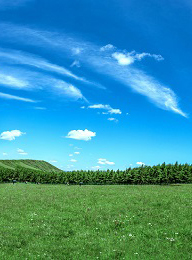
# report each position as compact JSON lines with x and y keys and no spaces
{"x":96,"y":84}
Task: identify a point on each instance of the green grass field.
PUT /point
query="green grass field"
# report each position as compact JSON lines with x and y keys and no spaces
{"x":29,"y":164}
{"x":95,"y":222}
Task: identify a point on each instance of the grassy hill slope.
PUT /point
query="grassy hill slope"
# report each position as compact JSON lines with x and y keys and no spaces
{"x":29,"y":164}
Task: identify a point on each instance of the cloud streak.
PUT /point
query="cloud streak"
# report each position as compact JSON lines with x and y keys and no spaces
{"x":8,"y":96}
{"x":91,"y":56}
{"x":22,"y":79}
{"x":18,"y":57}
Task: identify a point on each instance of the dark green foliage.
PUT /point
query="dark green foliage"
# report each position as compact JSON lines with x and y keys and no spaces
{"x":46,"y":173}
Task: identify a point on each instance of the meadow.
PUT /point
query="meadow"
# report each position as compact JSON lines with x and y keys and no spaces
{"x":95,"y":221}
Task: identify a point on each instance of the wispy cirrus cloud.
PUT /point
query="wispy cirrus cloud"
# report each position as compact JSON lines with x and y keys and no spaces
{"x":103,"y":62}
{"x":12,"y":81}
{"x":8,"y":96}
{"x":139,"y":81}
{"x":15,"y":57}
{"x":17,"y":78}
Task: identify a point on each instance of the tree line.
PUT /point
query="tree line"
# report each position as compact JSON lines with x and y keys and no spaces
{"x":159,"y":174}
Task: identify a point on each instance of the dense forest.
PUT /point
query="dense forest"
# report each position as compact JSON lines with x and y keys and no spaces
{"x":159,"y":174}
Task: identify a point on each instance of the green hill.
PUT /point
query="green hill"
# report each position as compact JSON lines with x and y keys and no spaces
{"x":29,"y":164}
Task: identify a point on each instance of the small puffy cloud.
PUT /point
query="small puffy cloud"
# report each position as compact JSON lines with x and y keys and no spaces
{"x":21,"y":152}
{"x":113,"y":119}
{"x":83,"y":107}
{"x":127,"y":58}
{"x":105,"y":161}
{"x":107,"y":47}
{"x":76,"y":152}
{"x":96,"y":167}
{"x":84,"y":135}
{"x":5,"y":154}
{"x":73,"y":160}
{"x":53,"y":161}
{"x":115,"y":111}
{"x":109,"y":109}
{"x":123,"y":59}
{"x":70,"y":154}
{"x":140,"y":163}
{"x":10,"y":135}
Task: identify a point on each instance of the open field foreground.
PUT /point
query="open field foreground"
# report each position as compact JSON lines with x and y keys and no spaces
{"x":95,"y":222}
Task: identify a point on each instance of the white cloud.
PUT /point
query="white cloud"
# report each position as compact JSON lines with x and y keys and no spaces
{"x":140,"y":56}
{"x":85,"y":135}
{"x":22,"y":152}
{"x":5,"y":154}
{"x":53,"y":161}
{"x":83,"y":107}
{"x":123,"y":59}
{"x":107,"y":47}
{"x":69,"y":90}
{"x":96,"y":167}
{"x":109,"y":109}
{"x":113,"y":119}
{"x":136,"y":79}
{"x":13,"y":82}
{"x":140,"y":163}
{"x":8,"y":96}
{"x":130,"y":57}
{"x":76,"y":152}
{"x":130,"y":76}
{"x":19,"y":78}
{"x":11,"y":135}
{"x":73,"y":160}
{"x":100,"y":106}
{"x":115,"y":111}
{"x":105,"y":161}
{"x":9,"y":56}
{"x":70,"y":155}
